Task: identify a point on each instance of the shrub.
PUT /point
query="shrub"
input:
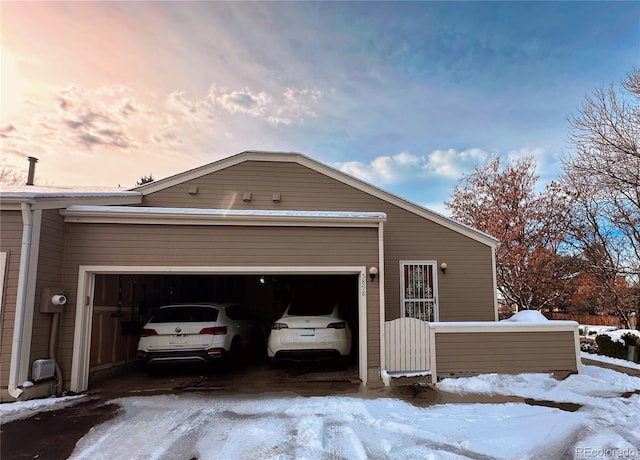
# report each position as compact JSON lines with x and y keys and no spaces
{"x":608,"y":347}
{"x":630,"y":339}
{"x":588,"y":345}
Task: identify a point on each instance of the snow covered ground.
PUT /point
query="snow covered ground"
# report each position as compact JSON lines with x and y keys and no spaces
{"x":23,"y":409}
{"x":282,"y":426}
{"x":610,"y":360}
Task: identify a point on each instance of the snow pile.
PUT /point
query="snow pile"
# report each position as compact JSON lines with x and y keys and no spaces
{"x":611,"y":421}
{"x":527,"y":316}
{"x":23,"y":409}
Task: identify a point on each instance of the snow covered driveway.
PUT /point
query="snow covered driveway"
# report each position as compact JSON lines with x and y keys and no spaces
{"x":322,"y":427}
{"x":286,"y":426}
{"x":291,"y":427}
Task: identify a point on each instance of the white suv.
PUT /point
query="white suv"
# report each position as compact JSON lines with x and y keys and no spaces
{"x":309,"y":330}
{"x":194,"y":332}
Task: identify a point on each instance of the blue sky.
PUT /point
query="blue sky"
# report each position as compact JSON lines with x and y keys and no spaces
{"x":408,"y":96}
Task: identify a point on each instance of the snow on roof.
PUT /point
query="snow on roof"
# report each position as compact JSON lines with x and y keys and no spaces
{"x":38,"y":191}
{"x":223,"y":212}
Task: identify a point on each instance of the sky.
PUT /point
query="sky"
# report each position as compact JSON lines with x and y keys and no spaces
{"x":408,"y":96}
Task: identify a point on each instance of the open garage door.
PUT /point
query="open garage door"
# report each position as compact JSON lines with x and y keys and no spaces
{"x":123,"y":301}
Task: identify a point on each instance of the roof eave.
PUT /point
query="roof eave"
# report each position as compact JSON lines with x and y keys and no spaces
{"x":58,"y":202}
{"x":196,"y":217}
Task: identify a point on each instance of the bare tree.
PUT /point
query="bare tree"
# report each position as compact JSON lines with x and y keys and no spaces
{"x":529,"y":225}
{"x":603,"y":176}
{"x":10,"y":176}
{"x":145,"y":180}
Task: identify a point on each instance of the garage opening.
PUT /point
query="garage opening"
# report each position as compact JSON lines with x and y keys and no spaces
{"x":124,"y":302}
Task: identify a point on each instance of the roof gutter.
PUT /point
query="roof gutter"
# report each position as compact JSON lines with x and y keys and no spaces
{"x":18,"y":325}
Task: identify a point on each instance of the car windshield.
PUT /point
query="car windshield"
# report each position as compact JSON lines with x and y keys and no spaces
{"x":185,"y":314}
{"x":311,"y":307}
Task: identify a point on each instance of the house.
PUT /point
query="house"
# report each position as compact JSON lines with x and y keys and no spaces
{"x":256,"y":226}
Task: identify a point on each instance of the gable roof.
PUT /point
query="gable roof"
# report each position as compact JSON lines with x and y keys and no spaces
{"x":291,"y":157}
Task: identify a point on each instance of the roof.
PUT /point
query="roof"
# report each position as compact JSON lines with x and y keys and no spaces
{"x":51,"y":197}
{"x":200,"y":216}
{"x":43,"y":197}
{"x":292,"y":157}
{"x":37,"y":191}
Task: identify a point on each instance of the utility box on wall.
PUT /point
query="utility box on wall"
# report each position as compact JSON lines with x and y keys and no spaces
{"x":43,"y":369}
{"x":52,"y":300}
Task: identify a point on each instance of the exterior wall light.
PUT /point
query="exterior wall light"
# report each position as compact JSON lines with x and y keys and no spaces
{"x":373,"y":271}
{"x":443,"y":267}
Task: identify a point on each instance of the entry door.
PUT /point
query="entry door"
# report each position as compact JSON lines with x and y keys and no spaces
{"x":418,"y":288}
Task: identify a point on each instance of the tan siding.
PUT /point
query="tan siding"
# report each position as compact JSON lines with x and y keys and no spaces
{"x":50,"y":257}
{"x":10,"y":242}
{"x":465,"y":291}
{"x":505,"y":352}
{"x":174,"y":245}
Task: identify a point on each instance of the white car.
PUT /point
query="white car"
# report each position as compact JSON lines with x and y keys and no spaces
{"x":194,"y":332}
{"x":308,"y":331}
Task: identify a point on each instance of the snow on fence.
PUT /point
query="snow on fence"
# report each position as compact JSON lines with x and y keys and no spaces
{"x":467,"y":348}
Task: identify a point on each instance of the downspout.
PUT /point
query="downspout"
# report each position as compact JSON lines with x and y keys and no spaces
{"x":23,"y":275}
{"x":382,"y":313}
{"x":53,"y":344}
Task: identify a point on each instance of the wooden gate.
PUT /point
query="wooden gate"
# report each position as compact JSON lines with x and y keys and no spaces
{"x":406,"y":345}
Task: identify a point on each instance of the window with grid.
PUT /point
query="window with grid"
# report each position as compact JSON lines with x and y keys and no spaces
{"x":418,"y":289}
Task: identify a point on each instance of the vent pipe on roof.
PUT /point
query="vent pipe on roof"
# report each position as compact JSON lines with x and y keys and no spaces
{"x":32,"y":169}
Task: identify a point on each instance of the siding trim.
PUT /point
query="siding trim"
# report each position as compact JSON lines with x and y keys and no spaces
{"x":3,"y":277}
{"x":381,"y":293}
{"x":495,"y":283}
{"x":576,"y":340}
{"x":27,"y":332}
{"x":84,"y":304}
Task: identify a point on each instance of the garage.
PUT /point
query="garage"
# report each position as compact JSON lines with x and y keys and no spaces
{"x":126,"y":257}
{"x":252,"y":228}
{"x":124,"y":302}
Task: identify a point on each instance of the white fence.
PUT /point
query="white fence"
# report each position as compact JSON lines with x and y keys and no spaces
{"x":406,"y":345}
{"x":458,"y":348}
